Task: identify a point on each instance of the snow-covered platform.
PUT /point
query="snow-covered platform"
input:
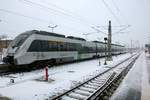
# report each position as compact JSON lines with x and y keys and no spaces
{"x":146,"y":78}
{"x":136,"y":85}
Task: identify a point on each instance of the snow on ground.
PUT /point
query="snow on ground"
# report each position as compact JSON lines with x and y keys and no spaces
{"x":28,"y":86}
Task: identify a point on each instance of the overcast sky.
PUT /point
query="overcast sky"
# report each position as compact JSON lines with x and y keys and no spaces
{"x":77,"y":17}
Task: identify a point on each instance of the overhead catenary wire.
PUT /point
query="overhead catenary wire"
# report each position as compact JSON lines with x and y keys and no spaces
{"x":110,"y":10}
{"x":36,"y":19}
{"x":98,"y":31}
{"x":22,"y":15}
{"x":54,"y":11}
{"x":63,"y":13}
{"x":44,"y":21}
{"x":72,"y":14}
{"x":114,"y":27}
{"x":122,"y":29}
{"x":118,"y":9}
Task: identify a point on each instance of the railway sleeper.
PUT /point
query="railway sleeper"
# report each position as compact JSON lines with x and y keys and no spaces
{"x":115,"y":84}
{"x":111,"y":91}
{"x":82,"y":92}
{"x":87,"y":89}
{"x":105,"y":98}
{"x":94,"y":84}
{"x":100,"y":79}
{"x":90,"y":86}
{"x":77,"y":96}
{"x":67,"y":98}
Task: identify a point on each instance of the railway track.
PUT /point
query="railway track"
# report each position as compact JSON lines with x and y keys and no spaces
{"x":4,"y":69}
{"x":101,"y":86}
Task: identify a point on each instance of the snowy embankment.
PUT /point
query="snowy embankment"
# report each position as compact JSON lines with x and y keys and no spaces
{"x":28,"y":86}
{"x":139,"y":87}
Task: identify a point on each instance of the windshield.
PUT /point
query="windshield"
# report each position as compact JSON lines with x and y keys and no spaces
{"x":19,"y":40}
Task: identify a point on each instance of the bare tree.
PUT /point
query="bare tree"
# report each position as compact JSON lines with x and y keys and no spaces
{"x":3,"y":44}
{"x":3,"y":37}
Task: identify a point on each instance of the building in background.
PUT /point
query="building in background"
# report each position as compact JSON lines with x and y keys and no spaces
{"x":4,"y":44}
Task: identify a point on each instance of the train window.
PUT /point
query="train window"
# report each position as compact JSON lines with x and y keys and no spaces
{"x":85,"y":49}
{"x":100,"y":49}
{"x":62,"y":46}
{"x":70,"y":46}
{"x":78,"y":47}
{"x":38,"y":46}
{"x":19,"y":40}
{"x":53,"y":46}
{"x":41,"y":46}
{"x":65,"y":47}
{"x":34,"y":46}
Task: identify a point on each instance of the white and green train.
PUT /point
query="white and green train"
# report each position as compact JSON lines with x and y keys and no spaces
{"x":39,"y":46}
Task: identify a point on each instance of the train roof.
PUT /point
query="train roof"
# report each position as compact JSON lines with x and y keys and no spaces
{"x":44,"y":33}
{"x":76,"y":38}
{"x":104,"y":43}
{"x":60,"y":35}
{"x":98,"y":42}
{"x":52,"y":34}
{"x":118,"y":45}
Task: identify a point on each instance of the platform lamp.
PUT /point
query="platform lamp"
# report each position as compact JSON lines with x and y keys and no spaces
{"x":52,"y":27}
{"x":105,"y":39}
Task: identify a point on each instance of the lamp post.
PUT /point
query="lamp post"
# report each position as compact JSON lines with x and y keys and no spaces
{"x":105,"y":39}
{"x":52,"y":27}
